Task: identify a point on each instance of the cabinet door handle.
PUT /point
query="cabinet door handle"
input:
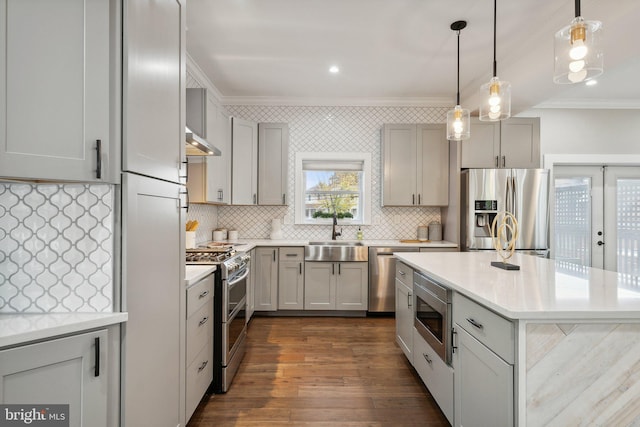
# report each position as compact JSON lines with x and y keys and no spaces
{"x":220,"y":195}
{"x":300,"y":265}
{"x":413,"y":199}
{"x":339,"y":269}
{"x":204,"y":365}
{"x":96,"y":369}
{"x":99,"y":158}
{"x":409,"y":298}
{"x":419,"y":202}
{"x":453,"y":340}
{"x":504,"y":161}
{"x":497,"y":161}
{"x":284,"y":199}
{"x":427,"y":358}
{"x":203,"y":294}
{"x":333,"y":269}
{"x":255,"y":199}
{"x":475,"y":323}
{"x":186,"y":193}
{"x":274,"y":255}
{"x":203,"y":321}
{"x":186,"y":175}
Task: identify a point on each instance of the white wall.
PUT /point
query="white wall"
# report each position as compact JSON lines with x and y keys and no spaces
{"x":587,"y":131}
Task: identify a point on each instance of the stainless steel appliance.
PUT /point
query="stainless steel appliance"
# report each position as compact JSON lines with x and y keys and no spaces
{"x":432,"y":314}
{"x":523,"y":192}
{"x":229,"y":309}
{"x":382,"y":270}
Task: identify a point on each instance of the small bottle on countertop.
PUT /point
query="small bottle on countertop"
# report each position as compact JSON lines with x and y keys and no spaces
{"x":359,"y":234}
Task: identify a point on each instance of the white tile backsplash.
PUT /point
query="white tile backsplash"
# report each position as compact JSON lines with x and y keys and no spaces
{"x":56,"y":248}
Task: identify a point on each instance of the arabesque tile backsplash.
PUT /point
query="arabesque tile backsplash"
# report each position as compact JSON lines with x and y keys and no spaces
{"x":56,"y":248}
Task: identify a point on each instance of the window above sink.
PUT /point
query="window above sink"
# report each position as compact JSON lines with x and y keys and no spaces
{"x":328,"y":183}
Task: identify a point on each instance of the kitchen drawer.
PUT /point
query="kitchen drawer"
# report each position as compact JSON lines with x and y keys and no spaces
{"x":199,"y":376}
{"x":292,"y":254}
{"x":436,"y":375}
{"x":489,"y":328}
{"x":199,"y":294}
{"x":404,"y":273}
{"x":199,"y":330}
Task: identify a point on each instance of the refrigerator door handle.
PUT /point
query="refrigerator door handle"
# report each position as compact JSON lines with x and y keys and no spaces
{"x":514,"y":195}
{"x":507,"y":196}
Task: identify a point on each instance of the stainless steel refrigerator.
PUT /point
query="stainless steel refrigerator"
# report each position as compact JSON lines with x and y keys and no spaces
{"x":523,"y":192}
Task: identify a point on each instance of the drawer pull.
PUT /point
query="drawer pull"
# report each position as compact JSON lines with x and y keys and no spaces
{"x":475,"y":323}
{"x":203,"y":321}
{"x":204,"y":365}
{"x":203,"y":294}
{"x":402,"y":273}
{"x":292,"y":255}
{"x":427,"y":358}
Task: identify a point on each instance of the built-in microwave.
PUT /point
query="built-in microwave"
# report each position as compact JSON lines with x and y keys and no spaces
{"x":432,"y":314}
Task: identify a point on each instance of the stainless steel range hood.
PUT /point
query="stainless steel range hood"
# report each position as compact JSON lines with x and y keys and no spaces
{"x":196,"y":129}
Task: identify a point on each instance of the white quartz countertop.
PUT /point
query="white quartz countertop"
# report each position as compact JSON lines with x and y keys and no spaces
{"x":16,"y":329}
{"x":194,"y":273}
{"x":248,"y":244}
{"x":541,"y":289}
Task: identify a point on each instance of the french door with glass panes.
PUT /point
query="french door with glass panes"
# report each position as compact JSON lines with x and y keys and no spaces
{"x":597,"y":217}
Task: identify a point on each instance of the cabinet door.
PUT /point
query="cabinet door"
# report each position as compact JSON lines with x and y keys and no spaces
{"x":56,"y":80}
{"x":154,"y":297}
{"x":273,"y":158}
{"x":482,"y":150}
{"x":219,"y":167}
{"x":399,"y":165}
{"x":61,"y":371}
{"x":320,"y":286}
{"x":520,"y":142}
{"x":352,"y":289}
{"x":483,"y":391}
{"x":433,"y":168}
{"x":153,"y":80}
{"x":291,"y":285}
{"x":404,"y":319}
{"x":244,"y":169}
{"x":266,"y":286}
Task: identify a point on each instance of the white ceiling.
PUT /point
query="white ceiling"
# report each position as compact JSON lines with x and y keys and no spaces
{"x":403,"y":51}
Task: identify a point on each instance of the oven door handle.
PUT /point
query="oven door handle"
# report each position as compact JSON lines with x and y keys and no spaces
{"x":241,"y":305}
{"x":235,"y":280}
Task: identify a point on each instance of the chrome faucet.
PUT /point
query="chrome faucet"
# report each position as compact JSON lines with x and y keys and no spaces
{"x":335,"y":233}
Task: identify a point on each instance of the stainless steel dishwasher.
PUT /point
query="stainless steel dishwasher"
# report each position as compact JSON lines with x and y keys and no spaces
{"x":382,"y":273}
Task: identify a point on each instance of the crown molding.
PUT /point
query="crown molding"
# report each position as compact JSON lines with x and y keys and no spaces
{"x":592,"y":104}
{"x":326,"y":102}
{"x":201,"y":77}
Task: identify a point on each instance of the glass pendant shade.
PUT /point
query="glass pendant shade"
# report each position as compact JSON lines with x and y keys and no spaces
{"x":458,"y":124}
{"x":578,"y":52}
{"x":495,"y":102}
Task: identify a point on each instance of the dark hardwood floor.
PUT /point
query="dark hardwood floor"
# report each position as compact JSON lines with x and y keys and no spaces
{"x":322,"y":371}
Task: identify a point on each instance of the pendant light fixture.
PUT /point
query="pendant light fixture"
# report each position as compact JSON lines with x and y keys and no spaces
{"x":578,"y":51}
{"x":495,"y":96}
{"x":458,"y":123}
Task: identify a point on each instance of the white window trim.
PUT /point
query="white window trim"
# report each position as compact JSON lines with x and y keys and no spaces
{"x":367,"y":195}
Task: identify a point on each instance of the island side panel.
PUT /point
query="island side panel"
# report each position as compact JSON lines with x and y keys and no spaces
{"x":582,"y":374}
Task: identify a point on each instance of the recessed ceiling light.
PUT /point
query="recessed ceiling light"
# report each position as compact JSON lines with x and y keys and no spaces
{"x":334,"y":69}
{"x":591,"y":83}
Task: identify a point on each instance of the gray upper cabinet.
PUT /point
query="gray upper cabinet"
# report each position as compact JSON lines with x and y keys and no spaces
{"x":415,"y":165}
{"x":244,"y":168}
{"x":273,"y":155}
{"x":512,"y":143}
{"x":153,"y":92}
{"x":59,"y":90}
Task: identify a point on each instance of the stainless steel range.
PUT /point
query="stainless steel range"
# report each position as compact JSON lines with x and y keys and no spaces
{"x":229,"y":309}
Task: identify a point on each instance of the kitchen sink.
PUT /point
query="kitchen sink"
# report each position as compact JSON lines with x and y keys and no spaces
{"x":336,"y":251}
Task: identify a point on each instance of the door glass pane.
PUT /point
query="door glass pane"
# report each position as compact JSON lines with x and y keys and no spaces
{"x":628,"y":229}
{"x":572,"y":234}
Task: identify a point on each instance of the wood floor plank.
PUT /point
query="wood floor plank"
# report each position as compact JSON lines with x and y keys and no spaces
{"x":325,"y":371}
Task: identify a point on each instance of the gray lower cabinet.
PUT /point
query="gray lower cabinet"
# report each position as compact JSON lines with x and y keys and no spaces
{"x":199,"y":342}
{"x":404,"y":309}
{"x":336,"y":286}
{"x":291,"y":279}
{"x":72,"y":370}
{"x":251,"y":286}
{"x":266,"y":279}
{"x":58,"y":90}
{"x":483,"y":363}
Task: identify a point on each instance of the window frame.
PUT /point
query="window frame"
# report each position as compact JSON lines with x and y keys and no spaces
{"x":366,"y":193}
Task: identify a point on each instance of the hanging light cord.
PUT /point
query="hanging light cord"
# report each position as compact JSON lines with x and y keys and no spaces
{"x":458,"y":87}
{"x":495,"y":63}
{"x":577,"y":8}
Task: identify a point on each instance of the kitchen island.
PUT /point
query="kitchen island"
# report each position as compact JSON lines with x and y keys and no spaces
{"x":569,"y":335}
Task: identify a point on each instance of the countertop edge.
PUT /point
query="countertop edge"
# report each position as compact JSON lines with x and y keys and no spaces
{"x":20,"y":329}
